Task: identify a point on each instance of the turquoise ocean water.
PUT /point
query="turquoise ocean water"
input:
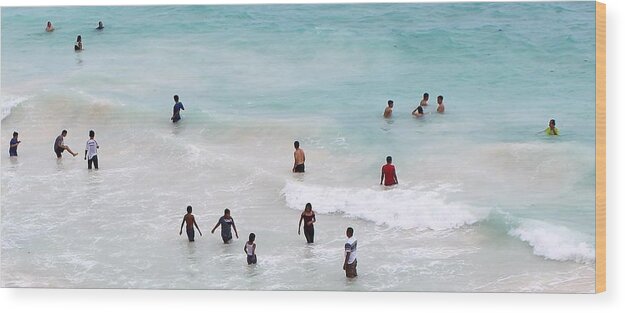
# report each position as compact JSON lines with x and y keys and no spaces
{"x":485,"y":202}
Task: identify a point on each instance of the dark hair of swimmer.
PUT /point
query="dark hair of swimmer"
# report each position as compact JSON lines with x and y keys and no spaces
{"x":91,"y":133}
{"x":79,"y":39}
{"x":350,"y":231}
{"x":390,"y":102}
{"x":308,"y":207}
{"x":252,"y":237}
{"x":227,"y":211}
{"x":64,"y":132}
{"x":420,"y":109}
{"x":296,"y":144}
{"x":14,"y":134}
{"x":440,"y":98}
{"x":189,"y":209}
{"x":176,"y":98}
{"x":553,"y":121}
{"x":389,"y":159}
{"x":426,"y":95}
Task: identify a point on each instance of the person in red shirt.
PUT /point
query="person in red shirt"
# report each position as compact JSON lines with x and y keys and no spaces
{"x":388,"y":173}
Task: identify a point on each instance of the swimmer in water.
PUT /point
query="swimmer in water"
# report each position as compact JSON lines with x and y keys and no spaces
{"x":418,"y":112}
{"x":49,"y":27}
{"x":100,"y":26}
{"x":441,"y":106}
{"x":78,"y":44}
{"x":424,"y":101}
{"x":389,"y":109}
{"x":552,"y":130}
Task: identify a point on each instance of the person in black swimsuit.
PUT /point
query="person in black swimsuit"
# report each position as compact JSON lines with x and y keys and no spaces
{"x":308,"y":216}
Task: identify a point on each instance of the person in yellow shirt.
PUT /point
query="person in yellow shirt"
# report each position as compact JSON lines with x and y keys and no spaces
{"x":552,"y":130}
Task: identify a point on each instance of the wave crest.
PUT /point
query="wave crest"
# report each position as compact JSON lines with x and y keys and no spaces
{"x":554,"y":242}
{"x":412,"y":208}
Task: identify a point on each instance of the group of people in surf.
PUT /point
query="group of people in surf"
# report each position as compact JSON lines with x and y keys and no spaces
{"x":418,"y":112}
{"x":226,"y":222}
{"x":78,"y":44}
{"x":551,"y":130}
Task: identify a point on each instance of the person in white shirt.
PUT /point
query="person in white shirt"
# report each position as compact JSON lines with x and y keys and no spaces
{"x":91,"y":151}
{"x":349,"y":265}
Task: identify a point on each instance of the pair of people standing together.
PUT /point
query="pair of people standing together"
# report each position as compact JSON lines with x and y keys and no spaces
{"x":351,"y":245}
{"x":91,"y":148}
{"x":226,"y":222}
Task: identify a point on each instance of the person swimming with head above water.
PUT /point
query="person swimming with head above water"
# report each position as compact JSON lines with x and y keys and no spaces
{"x":418,"y":112}
{"x":78,"y":44}
{"x":49,"y":27}
{"x":388,"y":111}
{"x":424,"y":101}
{"x":441,"y":106}
{"x":552,"y":130}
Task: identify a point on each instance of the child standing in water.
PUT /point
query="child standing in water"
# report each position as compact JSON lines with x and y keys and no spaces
{"x":190,"y":220}
{"x":250,"y":249}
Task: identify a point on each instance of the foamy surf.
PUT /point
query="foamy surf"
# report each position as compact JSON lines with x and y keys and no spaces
{"x":554,"y":242}
{"x":402,"y":207}
{"x":10,"y":102}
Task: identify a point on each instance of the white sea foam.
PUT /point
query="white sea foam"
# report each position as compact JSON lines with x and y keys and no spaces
{"x":9,"y":102}
{"x":406,"y":208}
{"x":554,"y":242}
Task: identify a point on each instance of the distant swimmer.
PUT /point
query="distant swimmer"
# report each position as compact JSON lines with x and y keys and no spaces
{"x":91,"y":151}
{"x":78,"y":44}
{"x":177,"y":107}
{"x":300,"y":158}
{"x":308,"y":216}
{"x":351,"y":245}
{"x":13,"y":145}
{"x":100,"y":26}
{"x":250,"y":249}
{"x":389,"y":109}
{"x":59,"y":145}
{"x":190,"y":220}
{"x":552,"y":130}
{"x":49,"y":27}
{"x":226,"y":222}
{"x":441,"y":107}
{"x":418,"y":112}
{"x":388,"y":173}
{"x":424,"y":101}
